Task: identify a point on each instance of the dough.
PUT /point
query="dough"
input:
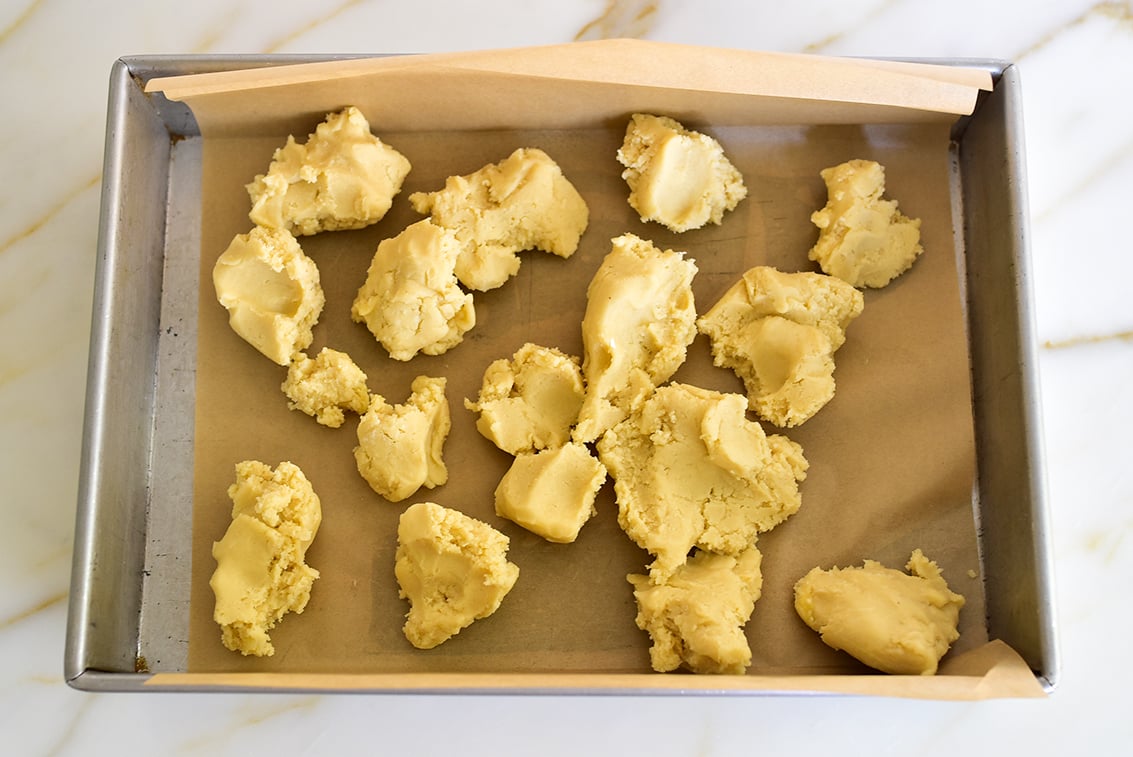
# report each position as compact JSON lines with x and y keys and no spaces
{"x":778,"y":332}
{"x":453,"y":569}
{"x":326,"y":386}
{"x":522,"y":202}
{"x":342,"y":178}
{"x":690,"y":470}
{"x":677,"y":177}
{"x":551,"y":493}
{"x":261,"y":573}
{"x":271,"y":291}
{"x":862,"y":238}
{"x":640,"y":318}
{"x":399,"y":446}
{"x":530,"y":402}
{"x":410,"y":301}
{"x":696,"y":616}
{"x":892,"y":621}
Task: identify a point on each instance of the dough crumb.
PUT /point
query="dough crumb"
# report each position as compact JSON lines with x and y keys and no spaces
{"x":325,"y":386}
{"x":696,"y":616}
{"x":343,"y":177}
{"x":690,"y":470}
{"x":530,"y":402}
{"x":677,"y":177}
{"x":452,"y":568}
{"x":900,"y":623}
{"x":778,"y":332}
{"x":261,"y":573}
{"x":640,"y":318}
{"x":863,"y":239}
{"x":410,"y":300}
{"x":523,"y":202}
{"x":551,"y":493}
{"x":271,"y":291}
{"x":399,"y":446}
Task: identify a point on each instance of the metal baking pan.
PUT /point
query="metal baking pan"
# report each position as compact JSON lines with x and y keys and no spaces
{"x":128,"y":612}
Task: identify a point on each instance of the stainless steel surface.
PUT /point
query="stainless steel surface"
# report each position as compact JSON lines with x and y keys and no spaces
{"x":1012,"y":490}
{"x":163,"y":630}
{"x":128,"y":611}
{"x":111,"y":528}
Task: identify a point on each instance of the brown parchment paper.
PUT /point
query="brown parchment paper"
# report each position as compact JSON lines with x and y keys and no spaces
{"x":892,"y":456}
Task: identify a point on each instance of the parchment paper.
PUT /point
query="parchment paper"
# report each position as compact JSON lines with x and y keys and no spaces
{"x":892,"y":456}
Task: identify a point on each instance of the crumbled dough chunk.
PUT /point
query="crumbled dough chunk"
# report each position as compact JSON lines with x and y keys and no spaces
{"x":452,"y":568}
{"x":551,"y":493}
{"x":530,"y":402}
{"x":523,"y":202}
{"x":900,"y":623}
{"x":399,"y":446}
{"x":261,"y":573}
{"x":342,"y":178}
{"x":862,"y":238}
{"x":283,"y":499}
{"x":696,"y":616}
{"x":326,"y":386}
{"x":811,"y":299}
{"x":677,"y":177}
{"x":410,"y":300}
{"x":778,"y":332}
{"x":793,"y":366}
{"x":640,"y":318}
{"x":271,"y":291}
{"x":690,"y":470}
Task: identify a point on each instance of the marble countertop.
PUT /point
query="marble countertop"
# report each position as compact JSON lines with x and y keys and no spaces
{"x":1075,"y":59}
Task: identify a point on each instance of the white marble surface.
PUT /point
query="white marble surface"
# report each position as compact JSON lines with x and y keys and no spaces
{"x":1076,"y":59}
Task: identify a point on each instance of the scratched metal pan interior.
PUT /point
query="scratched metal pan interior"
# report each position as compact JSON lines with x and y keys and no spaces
{"x":129,"y":605}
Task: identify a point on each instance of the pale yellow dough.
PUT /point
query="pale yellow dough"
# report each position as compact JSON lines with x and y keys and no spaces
{"x":271,"y":291}
{"x":343,"y":177}
{"x":900,"y":623}
{"x":452,"y":568}
{"x":640,"y":318}
{"x":677,"y":177}
{"x":400,"y":446}
{"x":261,"y":573}
{"x":411,"y":301}
{"x":325,"y":386}
{"x":690,"y":470}
{"x":696,"y":616}
{"x":778,"y":332}
{"x":551,"y":493}
{"x":523,"y":202}
{"x":531,"y":401}
{"x":862,"y":238}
